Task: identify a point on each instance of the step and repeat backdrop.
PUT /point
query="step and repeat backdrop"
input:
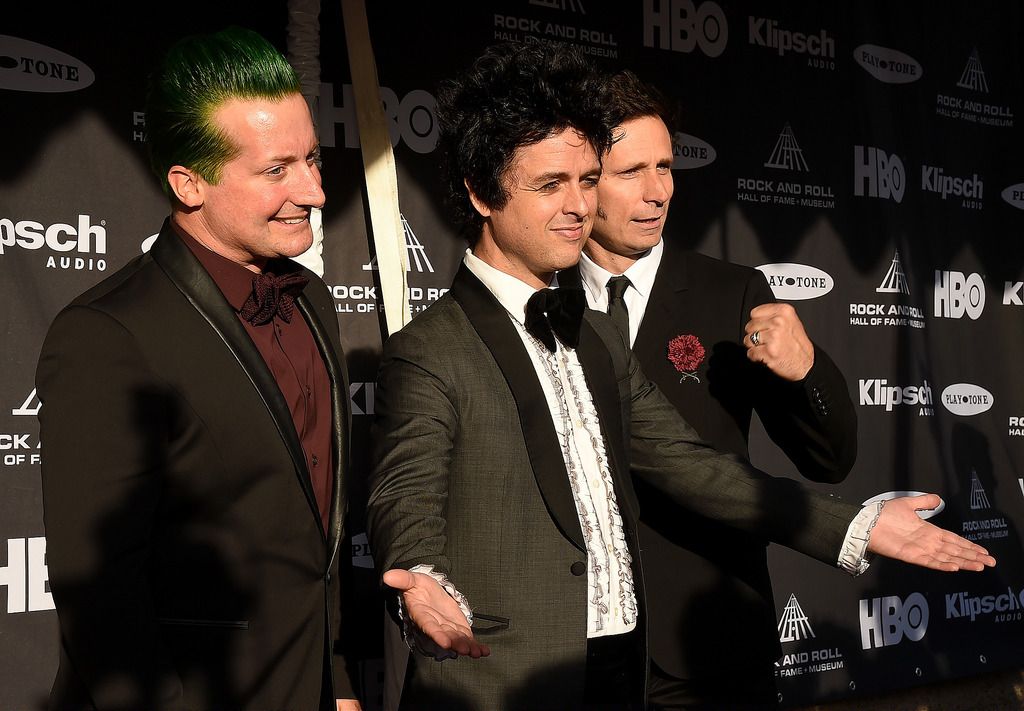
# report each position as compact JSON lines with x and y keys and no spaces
{"x":868,"y":157}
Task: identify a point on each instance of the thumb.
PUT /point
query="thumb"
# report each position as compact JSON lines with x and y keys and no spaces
{"x":399,"y":579}
{"x":926,"y":502}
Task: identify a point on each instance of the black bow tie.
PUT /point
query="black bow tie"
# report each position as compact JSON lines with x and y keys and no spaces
{"x":272,"y":295}
{"x":551,"y":312}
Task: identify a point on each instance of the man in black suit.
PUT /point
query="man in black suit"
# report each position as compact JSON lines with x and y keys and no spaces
{"x":511,"y":422}
{"x":708,"y":585}
{"x":195,"y":414}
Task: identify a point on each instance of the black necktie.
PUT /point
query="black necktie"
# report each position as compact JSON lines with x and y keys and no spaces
{"x":551,"y":312}
{"x":617,"y":305}
{"x":272,"y":295}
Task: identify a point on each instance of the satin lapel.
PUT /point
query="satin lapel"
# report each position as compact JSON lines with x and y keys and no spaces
{"x":185,"y":272}
{"x":600,"y":374}
{"x":492,"y":324}
{"x":339,"y":419}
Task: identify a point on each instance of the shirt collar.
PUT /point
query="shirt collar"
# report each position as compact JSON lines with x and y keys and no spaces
{"x":511,"y":292}
{"x":641,"y":273}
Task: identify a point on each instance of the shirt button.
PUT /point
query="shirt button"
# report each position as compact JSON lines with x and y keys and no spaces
{"x":316,"y":460}
{"x":578,"y":568}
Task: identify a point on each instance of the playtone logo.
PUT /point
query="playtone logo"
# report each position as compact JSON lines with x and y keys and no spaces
{"x":690,"y":152}
{"x":29,"y":66}
{"x":885,"y":621}
{"x":966,"y":399}
{"x":888,"y":65}
{"x":1014,"y":195}
{"x":796,"y":282}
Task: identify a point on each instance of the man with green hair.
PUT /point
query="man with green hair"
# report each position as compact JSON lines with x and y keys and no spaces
{"x":195,"y":413}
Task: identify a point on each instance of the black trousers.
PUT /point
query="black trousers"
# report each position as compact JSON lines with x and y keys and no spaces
{"x":746,"y":690}
{"x":615,"y":673}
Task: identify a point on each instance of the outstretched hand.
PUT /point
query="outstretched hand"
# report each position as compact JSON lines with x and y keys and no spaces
{"x":901,"y":534}
{"x":435,"y":614}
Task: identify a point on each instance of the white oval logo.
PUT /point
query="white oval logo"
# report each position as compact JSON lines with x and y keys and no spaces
{"x":888,"y":65}
{"x":1015,"y":195}
{"x":692,"y":152}
{"x":29,"y":66}
{"x":966,"y":399}
{"x":889,"y":495}
{"x":361,"y":557}
{"x":796,"y":282}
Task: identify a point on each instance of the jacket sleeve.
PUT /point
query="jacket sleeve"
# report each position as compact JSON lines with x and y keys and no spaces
{"x":667,"y":453}
{"x":813,"y":421}
{"x":105,"y":428}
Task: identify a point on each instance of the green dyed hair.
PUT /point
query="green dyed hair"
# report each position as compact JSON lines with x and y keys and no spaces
{"x":195,"y":77}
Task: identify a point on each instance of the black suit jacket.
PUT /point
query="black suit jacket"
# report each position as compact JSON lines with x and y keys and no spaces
{"x":469,"y":477}
{"x":186,"y":556}
{"x":709,"y":589}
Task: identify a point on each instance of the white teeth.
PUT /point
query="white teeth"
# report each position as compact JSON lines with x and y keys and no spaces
{"x":294,"y":221}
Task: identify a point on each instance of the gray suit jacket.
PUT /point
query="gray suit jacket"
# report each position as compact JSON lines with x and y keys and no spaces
{"x":468,"y":476}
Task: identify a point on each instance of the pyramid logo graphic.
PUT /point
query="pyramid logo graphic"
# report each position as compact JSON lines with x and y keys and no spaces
{"x":973,"y":76}
{"x":787,"y":154}
{"x":30,"y":407}
{"x":979,"y":499}
{"x":894,"y":282}
{"x":416,"y":255}
{"x":794,"y":625}
{"x":573,"y":5}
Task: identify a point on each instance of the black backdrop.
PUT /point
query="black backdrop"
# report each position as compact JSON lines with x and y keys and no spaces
{"x":865,"y":155}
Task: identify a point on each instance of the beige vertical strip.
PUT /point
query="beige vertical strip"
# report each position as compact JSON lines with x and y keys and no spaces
{"x":379,"y":168}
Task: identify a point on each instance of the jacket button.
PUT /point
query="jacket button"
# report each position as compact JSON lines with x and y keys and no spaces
{"x":578,"y":568}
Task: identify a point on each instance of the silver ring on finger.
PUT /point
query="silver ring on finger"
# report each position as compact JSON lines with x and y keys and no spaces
{"x":755,"y":338}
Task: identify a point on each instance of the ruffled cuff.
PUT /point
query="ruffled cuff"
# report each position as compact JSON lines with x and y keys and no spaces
{"x":854,"y":557}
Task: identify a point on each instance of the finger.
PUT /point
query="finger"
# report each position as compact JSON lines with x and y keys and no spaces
{"x":399,"y":579}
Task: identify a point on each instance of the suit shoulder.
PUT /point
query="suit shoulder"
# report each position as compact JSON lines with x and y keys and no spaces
{"x":437,"y":326}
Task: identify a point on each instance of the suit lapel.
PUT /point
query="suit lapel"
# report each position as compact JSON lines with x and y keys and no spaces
{"x":663,"y":307}
{"x":492,"y":324}
{"x":188,"y":275}
{"x":339,"y":419}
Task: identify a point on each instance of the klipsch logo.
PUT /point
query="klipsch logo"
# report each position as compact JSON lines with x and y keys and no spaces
{"x":1003,"y":607}
{"x":819,"y":48}
{"x":682,"y":26}
{"x":966,"y":105}
{"x":795,"y":282}
{"x":691,"y":152}
{"x":970,"y":190}
{"x":886,"y":621}
{"x":28,"y":66}
{"x":877,"y":392}
{"x":876,"y":174}
{"x":888,"y":65}
{"x":84,"y":238}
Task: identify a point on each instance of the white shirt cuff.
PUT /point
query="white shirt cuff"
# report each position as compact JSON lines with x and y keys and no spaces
{"x":413,"y":636}
{"x":854,"y":558}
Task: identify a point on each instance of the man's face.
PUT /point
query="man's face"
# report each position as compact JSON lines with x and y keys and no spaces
{"x":260,"y":207}
{"x":635,"y":188}
{"x":552,"y":188}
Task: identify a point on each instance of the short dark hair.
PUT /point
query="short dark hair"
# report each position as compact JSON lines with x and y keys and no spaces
{"x":194,"y":78}
{"x":626,"y":97}
{"x":513,"y":95}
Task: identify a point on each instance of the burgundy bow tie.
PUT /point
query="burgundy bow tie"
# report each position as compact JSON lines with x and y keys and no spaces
{"x":272,"y":295}
{"x":551,"y":312}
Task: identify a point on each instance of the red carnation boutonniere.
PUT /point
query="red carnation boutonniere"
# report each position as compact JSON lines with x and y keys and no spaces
{"x":686,"y":353}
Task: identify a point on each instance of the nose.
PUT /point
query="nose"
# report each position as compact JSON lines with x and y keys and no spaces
{"x":579,"y":200}
{"x":658,"y":188}
{"x":308,"y":188}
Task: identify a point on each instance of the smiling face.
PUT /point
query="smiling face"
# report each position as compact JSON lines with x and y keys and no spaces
{"x":634,"y":193}
{"x":552,"y":188}
{"x":259,"y":207}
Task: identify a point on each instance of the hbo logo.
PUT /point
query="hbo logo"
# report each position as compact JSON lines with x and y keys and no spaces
{"x":885,"y":621}
{"x":884,"y":175}
{"x":679,"y":26}
{"x":956,"y":295}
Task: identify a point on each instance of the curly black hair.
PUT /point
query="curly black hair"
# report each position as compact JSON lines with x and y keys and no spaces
{"x":513,"y":95}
